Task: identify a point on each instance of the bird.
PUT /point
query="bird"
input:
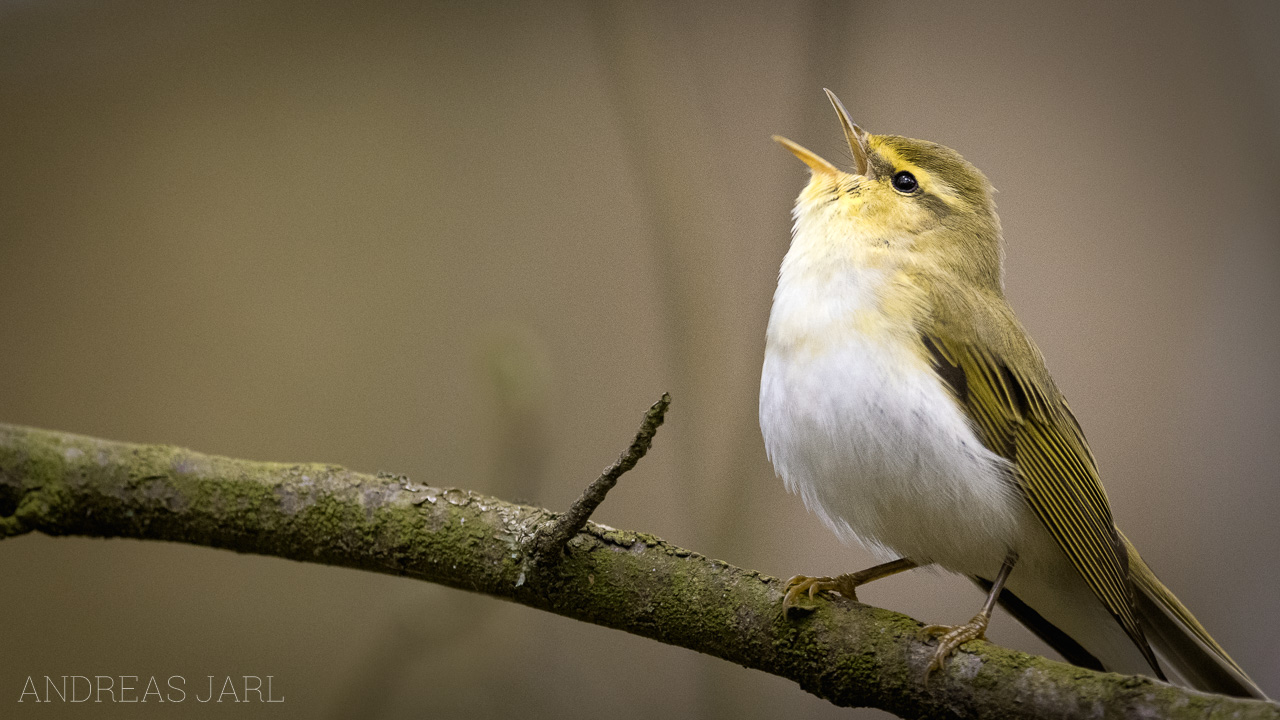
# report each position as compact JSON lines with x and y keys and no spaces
{"x":904,"y":402}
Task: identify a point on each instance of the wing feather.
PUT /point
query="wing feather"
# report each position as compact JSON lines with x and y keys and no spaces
{"x":1036,"y":431}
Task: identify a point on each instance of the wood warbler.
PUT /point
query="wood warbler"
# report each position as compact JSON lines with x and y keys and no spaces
{"x":904,"y":402}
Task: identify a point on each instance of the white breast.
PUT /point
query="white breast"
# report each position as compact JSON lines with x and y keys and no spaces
{"x":860,"y":426}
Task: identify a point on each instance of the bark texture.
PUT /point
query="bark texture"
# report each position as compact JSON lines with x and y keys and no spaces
{"x":848,"y":653}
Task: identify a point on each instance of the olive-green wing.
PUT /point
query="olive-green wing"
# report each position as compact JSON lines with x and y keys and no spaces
{"x":1032,"y":427}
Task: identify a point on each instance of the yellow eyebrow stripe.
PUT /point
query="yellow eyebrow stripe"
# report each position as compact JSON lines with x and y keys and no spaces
{"x":930,"y":182}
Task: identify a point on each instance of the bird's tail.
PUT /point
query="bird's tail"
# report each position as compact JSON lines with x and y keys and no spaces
{"x":1180,"y":640}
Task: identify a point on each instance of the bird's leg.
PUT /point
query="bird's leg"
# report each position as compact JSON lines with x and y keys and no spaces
{"x":953,"y":636}
{"x":846,"y":584}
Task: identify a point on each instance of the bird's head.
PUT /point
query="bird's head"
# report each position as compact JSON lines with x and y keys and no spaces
{"x":903,"y":196}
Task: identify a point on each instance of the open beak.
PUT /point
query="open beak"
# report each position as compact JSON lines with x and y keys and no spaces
{"x":807,"y":156}
{"x":856,"y":137}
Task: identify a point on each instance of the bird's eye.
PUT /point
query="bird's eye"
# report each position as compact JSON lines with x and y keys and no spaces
{"x":905,"y":182}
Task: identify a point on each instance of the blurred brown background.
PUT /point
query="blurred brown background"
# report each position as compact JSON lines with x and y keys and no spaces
{"x":472,"y":242}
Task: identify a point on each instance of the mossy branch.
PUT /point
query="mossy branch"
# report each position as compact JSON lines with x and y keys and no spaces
{"x":848,"y":653}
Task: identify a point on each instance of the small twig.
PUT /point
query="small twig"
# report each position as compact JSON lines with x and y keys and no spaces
{"x":553,"y":539}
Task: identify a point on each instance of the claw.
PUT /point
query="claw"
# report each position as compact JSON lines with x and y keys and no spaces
{"x":846,"y":585}
{"x":952,"y":637}
{"x":813,"y":586}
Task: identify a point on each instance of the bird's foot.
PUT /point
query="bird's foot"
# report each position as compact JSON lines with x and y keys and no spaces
{"x":800,"y":585}
{"x":951,"y":637}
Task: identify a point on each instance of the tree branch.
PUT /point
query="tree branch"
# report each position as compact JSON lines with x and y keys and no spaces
{"x":848,"y":653}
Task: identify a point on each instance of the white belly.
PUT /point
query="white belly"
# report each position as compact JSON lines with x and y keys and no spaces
{"x":877,"y":448}
{"x":875,"y":445}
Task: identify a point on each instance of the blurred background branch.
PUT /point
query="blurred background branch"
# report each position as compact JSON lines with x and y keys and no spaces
{"x":847,"y":653}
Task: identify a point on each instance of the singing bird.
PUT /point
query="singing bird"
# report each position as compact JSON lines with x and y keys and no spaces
{"x":904,"y":402}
